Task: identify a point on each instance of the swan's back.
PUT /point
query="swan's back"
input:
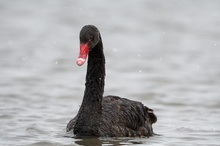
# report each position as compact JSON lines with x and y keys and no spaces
{"x":123,"y":117}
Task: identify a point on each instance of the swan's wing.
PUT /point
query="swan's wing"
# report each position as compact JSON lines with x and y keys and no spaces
{"x":71,"y":124}
{"x":126,"y":117}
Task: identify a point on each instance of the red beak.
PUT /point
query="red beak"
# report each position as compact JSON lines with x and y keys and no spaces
{"x":84,"y":50}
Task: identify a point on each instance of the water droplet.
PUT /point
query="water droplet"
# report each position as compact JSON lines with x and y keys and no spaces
{"x":140,"y":71}
{"x":161,"y":59}
{"x":10,"y":42}
{"x":215,"y":44}
{"x":139,"y":55}
{"x":56,"y":62}
{"x":23,"y":58}
{"x":114,"y":50}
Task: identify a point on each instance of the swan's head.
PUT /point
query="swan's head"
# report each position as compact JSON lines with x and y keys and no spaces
{"x":89,"y":37}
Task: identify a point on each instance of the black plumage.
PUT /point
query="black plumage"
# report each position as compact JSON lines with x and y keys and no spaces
{"x":109,"y":116}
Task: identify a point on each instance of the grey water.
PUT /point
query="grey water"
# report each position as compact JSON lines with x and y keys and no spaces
{"x":165,"y":54}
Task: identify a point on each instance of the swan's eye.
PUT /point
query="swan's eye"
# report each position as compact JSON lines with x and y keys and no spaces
{"x":90,"y":39}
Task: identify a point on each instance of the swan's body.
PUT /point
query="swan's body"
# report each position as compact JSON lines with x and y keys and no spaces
{"x":109,"y":116}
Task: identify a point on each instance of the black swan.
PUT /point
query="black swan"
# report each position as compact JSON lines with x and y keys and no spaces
{"x":109,"y":116}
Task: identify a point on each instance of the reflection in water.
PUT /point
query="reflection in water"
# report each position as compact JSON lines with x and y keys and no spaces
{"x":107,"y":141}
{"x":89,"y":142}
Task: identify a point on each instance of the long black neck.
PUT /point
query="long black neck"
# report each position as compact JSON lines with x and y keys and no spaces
{"x":90,"y":111}
{"x":95,"y":77}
